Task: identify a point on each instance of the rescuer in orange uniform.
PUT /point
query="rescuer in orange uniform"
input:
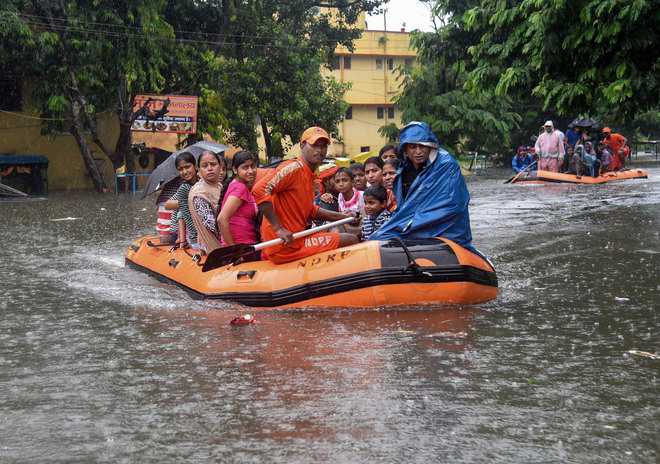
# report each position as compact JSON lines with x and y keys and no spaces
{"x":617,"y":144}
{"x":286,"y":198}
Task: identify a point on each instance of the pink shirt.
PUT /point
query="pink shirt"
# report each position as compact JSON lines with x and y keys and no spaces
{"x":355,"y":204}
{"x":242,"y":224}
{"x":549,"y":145}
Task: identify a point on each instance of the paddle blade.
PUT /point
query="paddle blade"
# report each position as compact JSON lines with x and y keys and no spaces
{"x":226,"y":255}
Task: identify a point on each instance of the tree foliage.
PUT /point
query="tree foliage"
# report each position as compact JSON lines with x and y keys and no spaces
{"x":495,"y":69}
{"x":250,"y":62}
{"x":584,"y":56}
{"x":434,"y":90}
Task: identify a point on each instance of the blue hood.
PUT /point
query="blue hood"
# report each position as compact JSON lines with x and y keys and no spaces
{"x":418,"y":132}
{"x":436,"y":204}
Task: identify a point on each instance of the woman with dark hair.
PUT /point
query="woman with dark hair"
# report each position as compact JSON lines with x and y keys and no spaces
{"x":388,"y":152}
{"x":204,"y":199}
{"x":373,"y":170}
{"x":238,"y":215}
{"x":390,"y":168}
{"x":183,"y":227}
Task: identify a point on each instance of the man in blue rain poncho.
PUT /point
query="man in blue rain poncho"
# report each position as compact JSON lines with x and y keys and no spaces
{"x":430,"y":191}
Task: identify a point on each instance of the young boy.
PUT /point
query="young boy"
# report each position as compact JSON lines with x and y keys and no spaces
{"x":375,"y":207}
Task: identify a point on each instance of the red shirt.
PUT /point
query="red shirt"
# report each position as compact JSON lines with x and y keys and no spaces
{"x":616,"y":142}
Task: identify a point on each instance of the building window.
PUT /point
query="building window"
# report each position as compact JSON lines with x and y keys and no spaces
{"x":349,"y":113}
{"x":347,"y":62}
{"x":335,"y":63}
{"x":408,"y":62}
{"x":379,"y":112}
{"x":365,"y":149}
{"x":379,"y":63}
{"x":390,"y":64}
{"x":390,"y":113}
{"x":11,"y":97}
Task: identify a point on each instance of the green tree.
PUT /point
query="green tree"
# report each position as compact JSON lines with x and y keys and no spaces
{"x":598,"y":57}
{"x":434,"y":90}
{"x":88,"y":57}
{"x":268,"y":68}
{"x":250,"y":62}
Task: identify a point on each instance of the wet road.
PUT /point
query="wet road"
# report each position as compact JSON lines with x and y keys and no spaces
{"x":99,"y":363}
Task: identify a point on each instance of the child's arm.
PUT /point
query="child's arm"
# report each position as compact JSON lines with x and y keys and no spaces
{"x":181,"y":239}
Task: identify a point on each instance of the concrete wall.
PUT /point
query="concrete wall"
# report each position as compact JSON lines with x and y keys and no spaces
{"x":20,"y":134}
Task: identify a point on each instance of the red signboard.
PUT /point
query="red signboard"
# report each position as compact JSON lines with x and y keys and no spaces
{"x":180,"y":115}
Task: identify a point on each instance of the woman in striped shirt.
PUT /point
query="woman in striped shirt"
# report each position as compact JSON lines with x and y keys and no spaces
{"x":182,"y":223}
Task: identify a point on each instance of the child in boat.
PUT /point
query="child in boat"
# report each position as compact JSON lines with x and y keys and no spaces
{"x":327,"y":195}
{"x":238,"y":215}
{"x":359,"y":179}
{"x":390,"y":168}
{"x":204,"y":199}
{"x":182,"y":224}
{"x":605,"y":157}
{"x":388,"y":152}
{"x":373,"y":170}
{"x":375,"y":202}
{"x":349,"y":198}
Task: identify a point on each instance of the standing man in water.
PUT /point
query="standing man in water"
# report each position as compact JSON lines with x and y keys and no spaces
{"x":550,"y":148}
{"x":431,"y":194}
{"x":286,"y":198}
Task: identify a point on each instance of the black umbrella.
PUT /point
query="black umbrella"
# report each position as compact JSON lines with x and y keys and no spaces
{"x":166,"y":171}
{"x":586,"y":123}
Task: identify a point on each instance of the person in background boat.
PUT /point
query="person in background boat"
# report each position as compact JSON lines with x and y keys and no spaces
{"x":182,"y":223}
{"x":605,"y":157}
{"x":359,"y":178}
{"x":550,"y":148}
{"x":238,"y":215}
{"x":373,"y":170}
{"x":521,"y":160}
{"x":573,"y":136}
{"x":388,"y":152}
{"x":431,"y":193}
{"x":390,"y":168}
{"x":204,"y":199}
{"x":590,"y":160}
{"x":164,"y":218}
{"x":375,"y":205}
{"x":617,"y":145}
{"x":326,"y":198}
{"x":570,"y":167}
{"x":286,"y":199}
{"x":349,"y":198}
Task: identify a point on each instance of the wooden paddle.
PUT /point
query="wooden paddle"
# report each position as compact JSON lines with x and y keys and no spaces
{"x":230,"y":254}
{"x":514,"y":178}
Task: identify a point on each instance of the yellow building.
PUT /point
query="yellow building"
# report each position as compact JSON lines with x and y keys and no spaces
{"x":373,"y":69}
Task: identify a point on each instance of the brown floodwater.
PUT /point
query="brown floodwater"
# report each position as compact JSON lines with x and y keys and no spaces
{"x":101,"y":363}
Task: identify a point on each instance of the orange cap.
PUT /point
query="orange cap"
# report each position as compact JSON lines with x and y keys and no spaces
{"x":312,"y":134}
{"x":607,"y":130}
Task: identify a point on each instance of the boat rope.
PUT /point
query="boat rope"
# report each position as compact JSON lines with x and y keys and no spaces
{"x":412,"y":264}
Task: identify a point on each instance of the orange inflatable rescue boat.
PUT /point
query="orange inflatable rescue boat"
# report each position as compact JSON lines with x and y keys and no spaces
{"x":369,"y":274}
{"x":543,"y":177}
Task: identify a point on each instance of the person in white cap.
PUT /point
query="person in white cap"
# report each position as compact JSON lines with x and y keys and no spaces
{"x":549,"y":148}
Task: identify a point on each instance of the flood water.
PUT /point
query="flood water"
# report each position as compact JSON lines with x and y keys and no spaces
{"x":100,"y":363}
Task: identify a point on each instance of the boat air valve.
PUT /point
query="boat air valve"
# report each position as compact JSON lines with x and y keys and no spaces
{"x":412,"y":265}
